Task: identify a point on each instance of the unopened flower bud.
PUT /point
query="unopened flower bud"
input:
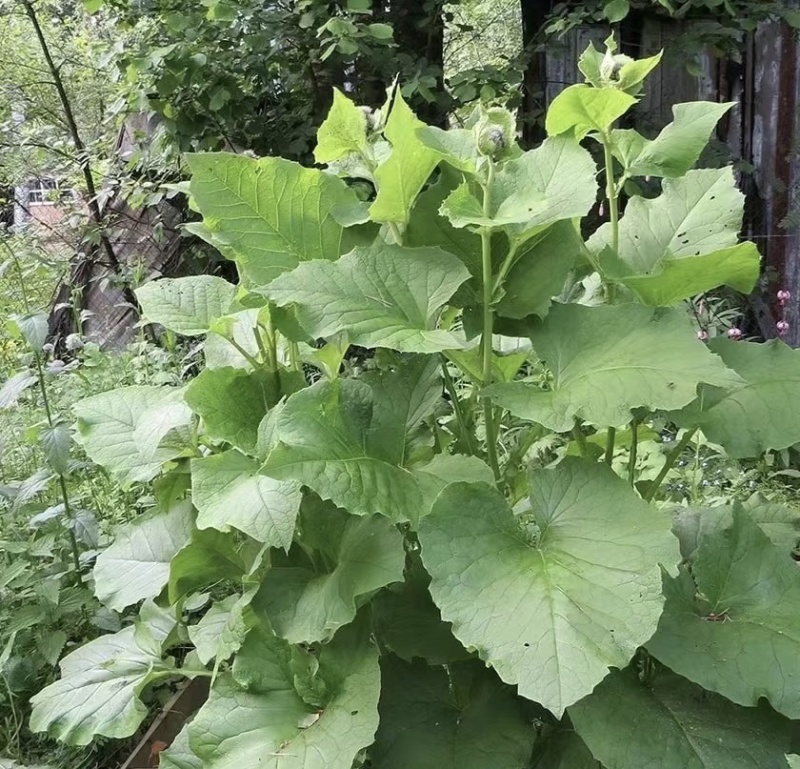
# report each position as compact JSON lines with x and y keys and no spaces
{"x":55,"y":367}
{"x":784,"y":296}
{"x":783,"y":327}
{"x":702,"y":335}
{"x":73,"y":342}
{"x":491,"y":141}
{"x":48,"y":348}
{"x":734,"y":333}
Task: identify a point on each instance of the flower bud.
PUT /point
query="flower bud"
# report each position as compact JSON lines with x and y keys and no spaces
{"x":735,"y":333}
{"x":491,"y":141}
{"x":702,"y":335}
{"x":783,"y":327}
{"x":73,"y":342}
{"x":784,"y":296}
{"x":48,"y":348}
{"x":55,"y":367}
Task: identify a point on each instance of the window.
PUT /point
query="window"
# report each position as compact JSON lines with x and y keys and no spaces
{"x":41,"y":190}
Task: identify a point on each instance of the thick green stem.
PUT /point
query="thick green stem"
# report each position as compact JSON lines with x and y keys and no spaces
{"x":634,"y":450}
{"x":613,"y":204}
{"x":254,"y":362}
{"x":580,"y":438}
{"x":488,"y":326}
{"x":395,"y":230}
{"x":672,"y":458}
{"x":611,"y":437}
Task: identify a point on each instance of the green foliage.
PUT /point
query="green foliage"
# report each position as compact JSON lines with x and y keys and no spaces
{"x":452,"y":542}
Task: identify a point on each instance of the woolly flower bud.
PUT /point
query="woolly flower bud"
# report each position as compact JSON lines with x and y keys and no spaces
{"x":48,"y":348}
{"x":784,"y":296}
{"x":783,"y":327}
{"x":492,"y":141}
{"x":73,"y":342}
{"x":702,"y":335}
{"x":734,"y":333}
{"x":55,"y":367}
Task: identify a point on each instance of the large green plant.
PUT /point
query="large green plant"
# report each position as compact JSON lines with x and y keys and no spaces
{"x":380,"y":568}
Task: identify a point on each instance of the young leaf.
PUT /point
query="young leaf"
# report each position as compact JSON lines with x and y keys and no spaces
{"x":683,"y":242}
{"x":382,"y":296}
{"x":325,"y":438}
{"x":306,"y":606}
{"x":555,"y":596}
{"x":239,"y":326}
{"x":270,"y":726}
{"x":108,"y":424}
{"x":222,"y":630}
{"x":232,"y":402}
{"x":456,"y":146}
{"x":738,"y":635}
{"x":401,"y":176}
{"x":608,"y":360}
{"x":136,"y":565}
{"x":229,"y":491}
{"x":98,"y":692}
{"x":761,"y":416}
{"x":670,"y":723}
{"x":188,"y":305}
{"x":343,"y":132}
{"x":272,"y":213}
{"x":55,"y":442}
{"x":677,"y":148}
{"x":580,"y":109}
{"x":432,"y":718}
{"x":616,"y":10}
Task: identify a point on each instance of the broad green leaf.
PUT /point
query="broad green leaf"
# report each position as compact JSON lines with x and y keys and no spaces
{"x":164,"y":427}
{"x":307,"y":606}
{"x":271,"y":213}
{"x":382,"y":296}
{"x":679,"y":279}
{"x":456,"y":146}
{"x":454,"y":718}
{"x":98,"y":692}
{"x":427,"y":228}
{"x":108,"y":424}
{"x":677,"y":148}
{"x":343,"y":132}
{"x":580,"y":109}
{"x":671,"y":723}
{"x":407,"y":622}
{"x":232,"y":402}
{"x":540,"y":271}
{"x":222,"y":630}
{"x":762,"y":415}
{"x":555,"y":596}
{"x":326,"y":441}
{"x":209,"y":558}
{"x":228,"y":490}
{"x":179,"y":755}
{"x":445,"y":469}
{"x":270,"y":726}
{"x":738,"y":634}
{"x":608,"y":360}
{"x":136,"y":565}
{"x":401,"y":176}
{"x":564,"y":750}
{"x":14,"y":387}
{"x":683,"y":242}
{"x":553,"y":182}
{"x":692,"y":526}
{"x":188,"y":305}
